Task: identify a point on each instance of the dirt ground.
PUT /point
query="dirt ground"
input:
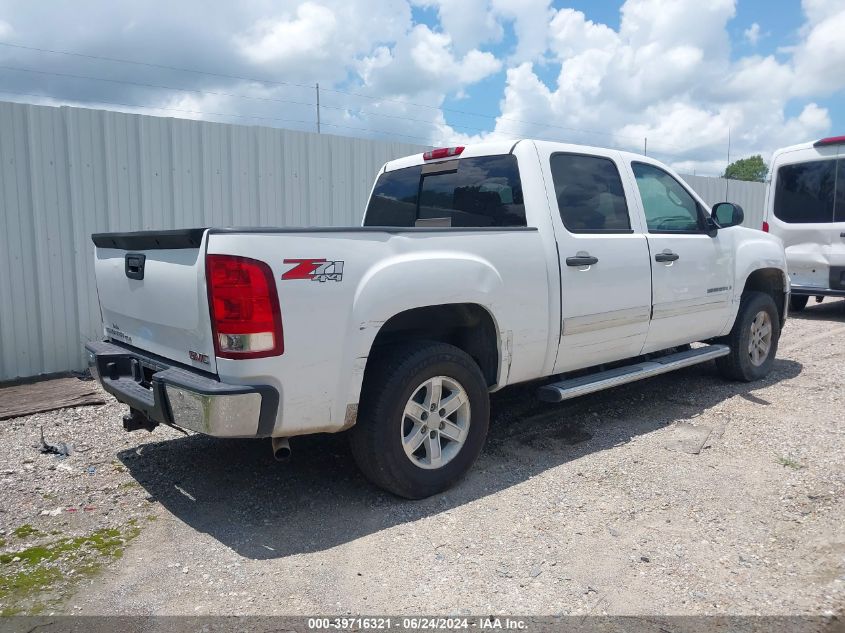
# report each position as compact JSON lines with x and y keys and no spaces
{"x":602,"y":505}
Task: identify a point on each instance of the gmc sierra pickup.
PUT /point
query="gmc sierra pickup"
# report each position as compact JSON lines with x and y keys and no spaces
{"x":476,"y":268}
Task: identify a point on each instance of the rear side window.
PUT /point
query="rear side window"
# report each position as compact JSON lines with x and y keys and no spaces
{"x":469,"y":192}
{"x":589,"y":194}
{"x":839,"y":203}
{"x":804,"y":192}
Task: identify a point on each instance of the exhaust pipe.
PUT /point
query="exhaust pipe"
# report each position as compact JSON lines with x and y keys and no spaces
{"x":281,"y":448}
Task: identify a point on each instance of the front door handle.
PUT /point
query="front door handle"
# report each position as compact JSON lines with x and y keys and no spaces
{"x":582,"y":260}
{"x":666,"y":257}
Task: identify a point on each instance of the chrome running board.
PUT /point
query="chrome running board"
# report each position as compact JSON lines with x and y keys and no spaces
{"x":574,"y":387}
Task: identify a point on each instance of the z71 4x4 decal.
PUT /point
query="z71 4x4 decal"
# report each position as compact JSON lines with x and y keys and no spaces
{"x":314,"y":269}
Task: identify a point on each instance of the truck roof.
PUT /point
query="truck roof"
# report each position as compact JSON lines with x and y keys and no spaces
{"x":489,"y":148}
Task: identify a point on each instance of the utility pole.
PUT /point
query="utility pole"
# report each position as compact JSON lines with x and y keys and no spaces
{"x":727,"y":180}
{"x":318,"y":108}
{"x":645,"y":146}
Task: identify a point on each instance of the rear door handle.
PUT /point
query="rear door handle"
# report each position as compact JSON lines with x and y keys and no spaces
{"x":582,"y":260}
{"x":666,"y":257}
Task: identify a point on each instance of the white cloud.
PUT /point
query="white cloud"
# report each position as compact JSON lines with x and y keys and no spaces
{"x":667,"y":72}
{"x":470,"y":23}
{"x":820,"y":59}
{"x":667,"y":75}
{"x":291,"y":38}
{"x":423,"y":62}
{"x":752,"y":34}
{"x":530,"y":25}
{"x":819,"y":10}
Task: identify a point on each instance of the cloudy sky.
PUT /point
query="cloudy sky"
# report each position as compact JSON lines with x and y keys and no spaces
{"x":444,"y":72}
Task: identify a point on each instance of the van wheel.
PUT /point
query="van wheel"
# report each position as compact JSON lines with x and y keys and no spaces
{"x":798,"y":302}
{"x":753,"y":339}
{"x":423,"y":418}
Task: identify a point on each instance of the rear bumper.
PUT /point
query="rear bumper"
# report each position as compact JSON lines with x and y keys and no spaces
{"x":835,"y":286}
{"x":177,"y":396}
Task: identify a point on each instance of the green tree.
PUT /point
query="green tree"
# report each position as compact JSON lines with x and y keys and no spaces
{"x":752,"y":168}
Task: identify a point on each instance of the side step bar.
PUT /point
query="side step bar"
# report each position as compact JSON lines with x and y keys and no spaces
{"x":574,"y":387}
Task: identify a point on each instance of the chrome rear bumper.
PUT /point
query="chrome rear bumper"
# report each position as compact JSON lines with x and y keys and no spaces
{"x":182,"y":397}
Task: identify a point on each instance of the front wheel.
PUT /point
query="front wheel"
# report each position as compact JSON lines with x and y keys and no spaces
{"x":423,"y":419}
{"x":753,"y":339}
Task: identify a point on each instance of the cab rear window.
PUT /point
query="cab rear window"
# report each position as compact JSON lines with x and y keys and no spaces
{"x":806,"y":193}
{"x":469,"y":192}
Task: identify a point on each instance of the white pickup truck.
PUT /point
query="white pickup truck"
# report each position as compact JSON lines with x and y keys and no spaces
{"x":476,"y":268}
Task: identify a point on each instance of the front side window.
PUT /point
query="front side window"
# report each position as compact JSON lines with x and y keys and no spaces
{"x":469,"y":192}
{"x":589,"y":194}
{"x":668,"y":206}
{"x":804,"y":192}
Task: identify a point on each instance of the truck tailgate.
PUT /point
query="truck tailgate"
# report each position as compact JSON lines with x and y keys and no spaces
{"x":153,"y":295}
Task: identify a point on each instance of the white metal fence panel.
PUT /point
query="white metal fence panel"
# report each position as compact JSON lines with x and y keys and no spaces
{"x":68,"y":172}
{"x":751,"y":196}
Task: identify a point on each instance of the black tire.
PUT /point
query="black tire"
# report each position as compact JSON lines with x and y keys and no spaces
{"x":393,"y":376}
{"x":798,"y":302}
{"x":738,"y":365}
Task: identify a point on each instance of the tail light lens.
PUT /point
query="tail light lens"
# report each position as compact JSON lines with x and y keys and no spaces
{"x":443,"y":152}
{"x":765,"y":227}
{"x":245,"y":314}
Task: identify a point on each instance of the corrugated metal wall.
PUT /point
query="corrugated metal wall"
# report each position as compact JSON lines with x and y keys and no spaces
{"x":751,"y":196}
{"x":69,"y":172}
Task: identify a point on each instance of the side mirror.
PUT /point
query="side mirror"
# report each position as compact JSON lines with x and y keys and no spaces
{"x":727,"y":214}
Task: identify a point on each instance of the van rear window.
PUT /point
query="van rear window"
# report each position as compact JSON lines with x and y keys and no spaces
{"x":805,"y":192}
{"x":469,"y":192}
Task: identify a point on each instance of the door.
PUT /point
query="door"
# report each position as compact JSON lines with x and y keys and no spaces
{"x":808,"y":214}
{"x":605,"y":271}
{"x":692,"y":272}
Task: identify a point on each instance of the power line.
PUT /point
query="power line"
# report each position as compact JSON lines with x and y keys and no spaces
{"x":220,"y":114}
{"x":269,"y":99}
{"x":151,"y":65}
{"x":544,"y":125}
{"x":389,"y":133}
{"x":228,"y":94}
{"x":157,"y":86}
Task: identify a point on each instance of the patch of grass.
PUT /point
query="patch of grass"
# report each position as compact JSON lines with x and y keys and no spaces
{"x":2,"y":542}
{"x":44,"y":574}
{"x":788,"y":462}
{"x":26,"y":530}
{"x":129,"y":484}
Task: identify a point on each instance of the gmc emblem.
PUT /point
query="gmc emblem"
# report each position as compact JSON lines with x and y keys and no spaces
{"x":200,"y":358}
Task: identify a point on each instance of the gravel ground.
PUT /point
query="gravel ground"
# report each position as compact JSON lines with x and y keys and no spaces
{"x":596,"y":506}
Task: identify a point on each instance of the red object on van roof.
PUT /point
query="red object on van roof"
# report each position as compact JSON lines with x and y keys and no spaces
{"x":830,"y":140}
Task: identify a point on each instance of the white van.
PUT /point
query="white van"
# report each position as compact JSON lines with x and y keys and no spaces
{"x":805,"y":207}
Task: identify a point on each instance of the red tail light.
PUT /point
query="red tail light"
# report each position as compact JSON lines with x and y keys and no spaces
{"x":443,"y":152}
{"x":245,"y":314}
{"x":765,"y":227}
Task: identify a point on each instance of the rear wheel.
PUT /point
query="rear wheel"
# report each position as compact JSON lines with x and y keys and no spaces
{"x":753,"y":339}
{"x":423,"y":418}
{"x":798,"y":302}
